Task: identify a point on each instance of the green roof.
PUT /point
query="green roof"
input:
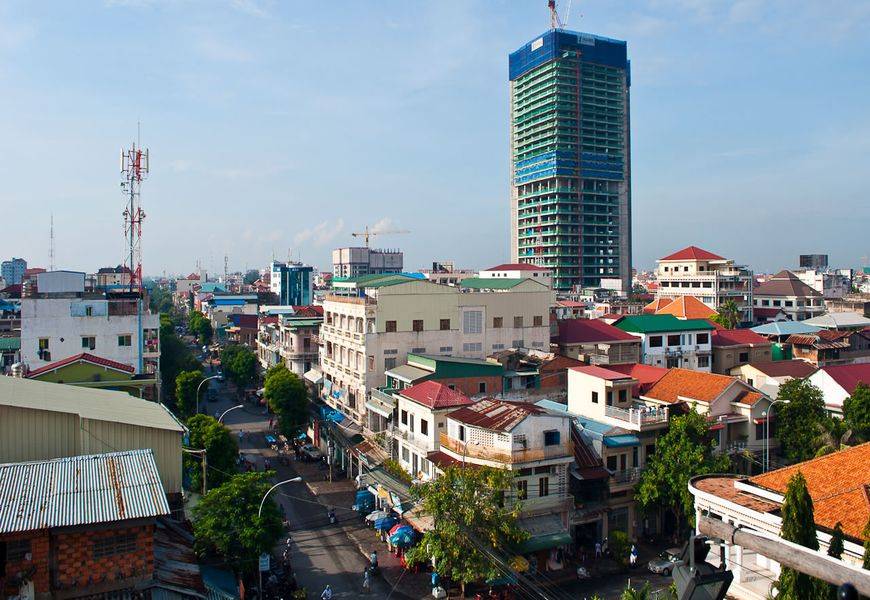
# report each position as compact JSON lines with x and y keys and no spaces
{"x":446,"y":367}
{"x":494,"y":283}
{"x":292,"y":323}
{"x":661,"y":324}
{"x":10,"y":343}
{"x":372,"y":281}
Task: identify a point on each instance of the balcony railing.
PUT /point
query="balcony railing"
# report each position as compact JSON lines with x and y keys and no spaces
{"x":524,"y":455}
{"x":631,"y":475}
{"x":382,"y":399}
{"x":417,"y":439}
{"x":638,"y":416}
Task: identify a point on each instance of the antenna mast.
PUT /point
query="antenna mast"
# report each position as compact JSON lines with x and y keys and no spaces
{"x":134,"y":168}
{"x":51,"y":244}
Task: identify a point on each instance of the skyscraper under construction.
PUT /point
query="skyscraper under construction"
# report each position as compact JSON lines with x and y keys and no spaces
{"x":571,"y":158}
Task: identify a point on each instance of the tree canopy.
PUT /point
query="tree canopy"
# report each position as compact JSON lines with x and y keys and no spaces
{"x":800,"y":419}
{"x":798,"y":526}
{"x":175,"y":357}
{"x":728,"y":315}
{"x":469,"y":514}
{"x":239,"y":364}
{"x":288,"y":399}
{"x":686,"y":450}
{"x":251,"y":276}
{"x":856,"y":413}
{"x":200,"y":326}
{"x":221,"y":449}
{"x":160,"y":299}
{"x":186,"y":385}
{"x":225,"y":522}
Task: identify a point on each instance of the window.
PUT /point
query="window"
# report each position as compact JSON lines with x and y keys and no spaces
{"x":518,"y":343}
{"x":522,"y":489}
{"x":703,"y":338}
{"x":418,"y":350}
{"x":89,"y":342}
{"x":125,"y":340}
{"x":497,"y":322}
{"x":623,"y":396}
{"x":116,"y":544}
{"x":498,"y":346}
{"x":743,"y":357}
{"x":674,"y":340}
{"x":17,"y":550}
{"x":424,"y":427}
{"x":371,"y":363}
{"x":544,"y":486}
{"x":472,"y":347}
{"x":451,"y":386}
{"x":417,"y":325}
{"x":518,"y":322}
{"x":89,"y":311}
{"x":391,"y":327}
{"x":789,"y":303}
{"x":594,"y":397}
{"x":389,"y":363}
{"x":445,"y":324}
{"x":538,"y":320}
{"x":765,"y":303}
{"x":404,"y":416}
{"x":462,"y":433}
{"x":551,"y":438}
{"x":445,"y":349}
{"x":673,"y":363}
{"x":703,"y":361}
{"x":411,"y":422}
{"x":472,"y":321}
{"x":406,"y":455}
{"x":43,"y":343}
{"x":481,"y":387}
{"x":655,"y":341}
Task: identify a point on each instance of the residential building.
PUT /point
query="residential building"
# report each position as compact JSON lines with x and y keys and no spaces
{"x":840,"y":320}
{"x":768,"y":376}
{"x":788,"y":293}
{"x":571,"y":177}
{"x":73,"y":420}
{"x":90,"y":371}
{"x":778,"y":333}
{"x":531,"y":373}
{"x":364,"y":336}
{"x":13,"y":270}
{"x":289,"y":339}
{"x":355,"y":262}
{"x":61,"y":321}
{"x":92,"y":526}
{"x":609,"y":396}
{"x":595,"y":342}
{"x":471,"y":376}
{"x":242,"y":329}
{"x":853,"y":303}
{"x":831,"y":347}
{"x":569,"y":309}
{"x":667,"y":341}
{"x":735,"y":347}
{"x":10,"y":352}
{"x":839,"y":382}
{"x":709,"y":277}
{"x":829,"y":283}
{"x":684,"y":307}
{"x":446,"y":273}
{"x":218,"y":308}
{"x":293,"y":283}
{"x":837,"y":484}
{"x":531,"y":443}
{"x":187,"y":285}
{"x":519,"y":271}
{"x":112,"y":278}
{"x":813,"y":261}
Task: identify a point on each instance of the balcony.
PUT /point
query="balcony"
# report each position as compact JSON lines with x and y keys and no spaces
{"x":525,"y":455}
{"x":639,"y":416}
{"x":382,"y":401}
{"x":625,"y":476}
{"x":417,"y":439}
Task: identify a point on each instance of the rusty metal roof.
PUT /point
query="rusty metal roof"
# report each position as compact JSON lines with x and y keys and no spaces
{"x":495,"y":415}
{"x":80,"y":490}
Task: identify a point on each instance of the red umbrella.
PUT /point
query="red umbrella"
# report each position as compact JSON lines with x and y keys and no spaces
{"x":395,"y":527}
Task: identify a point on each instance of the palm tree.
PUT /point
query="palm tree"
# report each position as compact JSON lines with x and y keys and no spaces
{"x":832,"y":436}
{"x":644,"y":593}
{"x":729,"y":315}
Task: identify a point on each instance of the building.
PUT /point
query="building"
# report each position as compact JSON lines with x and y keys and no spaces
{"x":788,"y":293}
{"x":839,"y":320}
{"x":595,"y":342}
{"x":112,"y":278}
{"x":41,"y":420}
{"x":831,"y":347}
{"x":839,"y":382}
{"x":531,"y":373}
{"x":831,"y":285}
{"x":735,"y":347}
{"x":61,"y":321}
{"x":355,"y":262}
{"x":13,"y":270}
{"x":293,"y":283}
{"x":364,"y":336}
{"x":87,"y":370}
{"x":220,"y":307}
{"x":242,"y":329}
{"x":708,"y":277}
{"x":684,"y":307}
{"x":837,"y":483}
{"x":446,"y":273}
{"x":813,"y":261}
{"x":471,"y":376}
{"x":289,"y":339}
{"x":571,"y":177}
{"x":767,"y":377}
{"x":92,"y":526}
{"x":667,"y":341}
{"x":519,"y":271}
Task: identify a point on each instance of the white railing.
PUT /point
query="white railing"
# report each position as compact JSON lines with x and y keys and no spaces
{"x":627,"y":475}
{"x":638,"y":416}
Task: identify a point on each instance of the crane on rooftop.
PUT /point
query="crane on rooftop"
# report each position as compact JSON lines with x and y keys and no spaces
{"x":555,"y":20}
{"x":370,"y":232}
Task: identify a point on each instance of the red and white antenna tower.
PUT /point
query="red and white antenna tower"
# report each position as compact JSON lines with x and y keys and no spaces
{"x":134,"y":168}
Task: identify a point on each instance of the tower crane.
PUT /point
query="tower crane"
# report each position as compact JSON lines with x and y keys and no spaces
{"x":372,"y":232}
{"x":555,"y":20}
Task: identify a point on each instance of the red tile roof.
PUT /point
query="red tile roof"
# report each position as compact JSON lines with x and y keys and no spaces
{"x":647,"y":375}
{"x":518,"y":267}
{"x":587,"y":331}
{"x":600,"y":372}
{"x":435,"y":395}
{"x":495,"y":415}
{"x":687,"y":307}
{"x":796,"y":368}
{"x":737,"y":337}
{"x":702,"y":387}
{"x":849,"y":376}
{"x":785,"y":283}
{"x":83,"y":357}
{"x":308,"y":311}
{"x":767,"y":313}
{"x":692,"y":253}
{"x":656,"y":305}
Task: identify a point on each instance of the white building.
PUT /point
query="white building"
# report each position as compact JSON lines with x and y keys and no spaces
{"x":786,"y":292}
{"x":709,"y":277}
{"x":289,"y":340}
{"x":838,"y":382}
{"x":62,"y":321}
{"x":355,"y":262}
{"x":519,"y":271}
{"x":830,"y":284}
{"x":667,"y":341}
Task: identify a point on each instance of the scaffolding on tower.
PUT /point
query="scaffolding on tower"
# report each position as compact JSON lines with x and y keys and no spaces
{"x":134,"y":169}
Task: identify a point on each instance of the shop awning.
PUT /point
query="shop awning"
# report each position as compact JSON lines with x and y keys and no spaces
{"x":544,"y":542}
{"x":376,"y":408}
{"x":621,"y":441}
{"x":545,"y":532}
{"x":314,"y":376}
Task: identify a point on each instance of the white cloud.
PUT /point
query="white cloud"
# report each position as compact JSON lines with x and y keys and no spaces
{"x":250,"y":7}
{"x":319,"y":235}
{"x":212,"y":48}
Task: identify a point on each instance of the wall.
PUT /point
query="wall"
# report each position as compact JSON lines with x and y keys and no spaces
{"x":726,"y":358}
{"x":76,"y":564}
{"x":470,"y":386}
{"x":39,"y":551}
{"x":689,"y":357}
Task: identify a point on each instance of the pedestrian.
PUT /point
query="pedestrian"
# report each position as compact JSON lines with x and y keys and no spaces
{"x":266,"y":464}
{"x":327,"y":593}
{"x":632,"y":557}
{"x":597,"y":549}
{"x":271,"y":420}
{"x":367,"y":583}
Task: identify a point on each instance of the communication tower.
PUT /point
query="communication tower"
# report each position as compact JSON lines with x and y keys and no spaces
{"x":134,"y":168}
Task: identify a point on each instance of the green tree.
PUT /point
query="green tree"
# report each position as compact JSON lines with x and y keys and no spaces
{"x":685,"y":451}
{"x":728,"y":315}
{"x":288,"y":399}
{"x":186,"y":400}
{"x":251,"y":276}
{"x":469,"y":515}
{"x":620,"y":546}
{"x":835,"y":550}
{"x":160,"y":299}
{"x":833,"y":436}
{"x":642,"y":593}
{"x":799,"y":526}
{"x":200,"y":326}
{"x":240,"y":364}
{"x":175,"y":357}
{"x":800,"y":419}
{"x":221,"y":449}
{"x":226,"y":525}
{"x":856,"y":413}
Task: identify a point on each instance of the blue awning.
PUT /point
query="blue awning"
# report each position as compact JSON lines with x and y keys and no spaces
{"x":330,"y":414}
{"x":386,"y":523}
{"x":621,"y":441}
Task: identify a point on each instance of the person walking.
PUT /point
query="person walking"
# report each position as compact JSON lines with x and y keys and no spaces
{"x":367,"y":582}
{"x":597,"y":549}
{"x":327,"y":593}
{"x":632,"y":557}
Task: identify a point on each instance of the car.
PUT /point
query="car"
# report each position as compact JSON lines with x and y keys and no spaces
{"x":311,"y":452}
{"x":666,"y":561}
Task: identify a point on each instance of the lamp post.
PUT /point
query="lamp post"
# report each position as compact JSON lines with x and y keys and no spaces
{"x":223,"y":414}
{"x":198,"y":388}
{"x":767,"y":415}
{"x":260,"y":514}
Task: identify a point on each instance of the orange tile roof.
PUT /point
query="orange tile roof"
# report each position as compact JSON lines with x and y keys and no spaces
{"x":656,"y":305}
{"x":747,"y":397}
{"x":839,"y":484}
{"x":692,"y":253}
{"x":703,"y":387}
{"x":687,"y":307}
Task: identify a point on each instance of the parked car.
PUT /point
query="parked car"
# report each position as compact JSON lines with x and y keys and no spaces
{"x":666,"y":561}
{"x":311,"y":452}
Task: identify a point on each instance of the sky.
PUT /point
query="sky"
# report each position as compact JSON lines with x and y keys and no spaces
{"x":277,"y":128}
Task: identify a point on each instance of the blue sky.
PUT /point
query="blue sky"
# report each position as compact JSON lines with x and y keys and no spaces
{"x":278,"y":125}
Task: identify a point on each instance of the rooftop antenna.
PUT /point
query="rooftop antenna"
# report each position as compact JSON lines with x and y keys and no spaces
{"x":226,"y":268}
{"x":134,"y":168}
{"x":51,"y":244}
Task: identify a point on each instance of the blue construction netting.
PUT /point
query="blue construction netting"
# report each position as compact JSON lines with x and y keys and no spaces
{"x":593,"y":49}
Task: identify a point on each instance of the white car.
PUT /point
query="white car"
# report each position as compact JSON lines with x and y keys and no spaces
{"x":666,"y":561}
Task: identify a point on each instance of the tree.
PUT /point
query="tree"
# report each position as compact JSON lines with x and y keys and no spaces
{"x":470,"y":516}
{"x":799,"y":419}
{"x":175,"y":357}
{"x":225,"y":522}
{"x":251,"y":276}
{"x":160,"y":299}
{"x":835,"y":550}
{"x":799,"y":526}
{"x":833,"y":436}
{"x":642,"y":593}
{"x":685,"y":451}
{"x":240,"y":364}
{"x":620,"y":546}
{"x":221,"y":449}
{"x":186,"y":385}
{"x":728,"y":315}
{"x":200,"y":326}
{"x":287,"y":397}
{"x":856,"y":413}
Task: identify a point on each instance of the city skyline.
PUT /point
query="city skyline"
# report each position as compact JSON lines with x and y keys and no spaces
{"x":274,"y":127}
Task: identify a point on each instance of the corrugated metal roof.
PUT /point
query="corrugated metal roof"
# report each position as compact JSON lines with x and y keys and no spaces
{"x":80,"y":490}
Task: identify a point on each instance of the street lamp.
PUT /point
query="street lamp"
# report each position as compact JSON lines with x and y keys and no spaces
{"x":767,"y":415}
{"x":223,"y":414}
{"x":199,"y":386}
{"x":260,"y":514}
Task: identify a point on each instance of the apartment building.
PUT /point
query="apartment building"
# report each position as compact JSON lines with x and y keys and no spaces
{"x":358,"y":261}
{"x":667,"y":341}
{"x":365,"y":335}
{"x":735,"y":347}
{"x":709,"y":277}
{"x":519,"y":271}
{"x":288,"y":339}
{"x":292,"y":282}
{"x":596,"y":343}
{"x":831,"y":284}
{"x":785,"y":291}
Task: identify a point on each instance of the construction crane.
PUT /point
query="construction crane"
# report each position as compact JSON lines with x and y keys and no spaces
{"x":372,"y":232}
{"x":555,"y":20}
